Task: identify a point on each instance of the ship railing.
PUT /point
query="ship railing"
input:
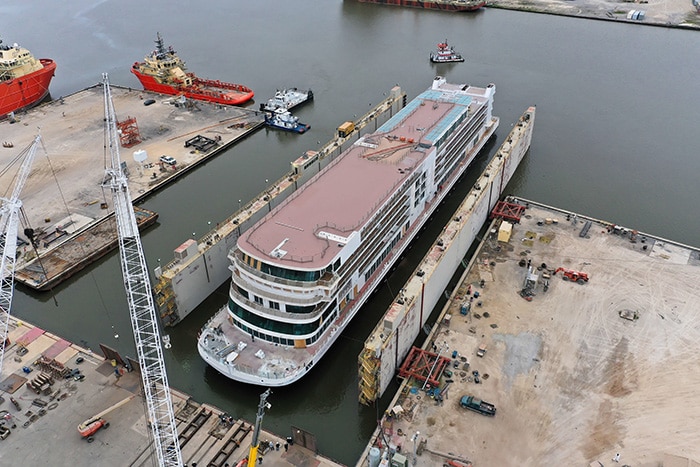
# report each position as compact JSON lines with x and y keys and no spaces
{"x":238,"y":262}
{"x":266,"y":312}
{"x":272,"y":293}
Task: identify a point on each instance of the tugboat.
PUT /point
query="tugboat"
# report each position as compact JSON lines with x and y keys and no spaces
{"x":16,"y":94}
{"x":287,"y":99}
{"x":284,"y":120}
{"x":164,"y":72}
{"x":445,"y":53}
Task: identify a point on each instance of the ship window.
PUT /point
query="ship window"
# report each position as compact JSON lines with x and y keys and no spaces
{"x":291,"y":329}
{"x":299,"y":309}
{"x":243,"y":292}
{"x":290,"y":274}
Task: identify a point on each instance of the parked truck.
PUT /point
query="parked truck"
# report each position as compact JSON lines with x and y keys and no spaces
{"x":477,"y":405}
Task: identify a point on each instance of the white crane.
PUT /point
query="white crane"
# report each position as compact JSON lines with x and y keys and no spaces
{"x":9,"y":223}
{"x":141,"y":305}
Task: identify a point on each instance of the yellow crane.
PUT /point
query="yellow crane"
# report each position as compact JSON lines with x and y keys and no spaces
{"x":255,"y":443}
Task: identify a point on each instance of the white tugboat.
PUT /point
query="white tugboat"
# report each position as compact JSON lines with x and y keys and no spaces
{"x":287,"y":99}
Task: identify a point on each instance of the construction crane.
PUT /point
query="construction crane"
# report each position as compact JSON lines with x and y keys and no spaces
{"x":140,"y":298}
{"x":9,"y":223}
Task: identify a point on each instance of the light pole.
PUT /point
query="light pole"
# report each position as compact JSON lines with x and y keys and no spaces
{"x":415,"y":442}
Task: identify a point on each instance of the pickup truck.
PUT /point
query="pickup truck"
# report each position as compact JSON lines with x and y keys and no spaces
{"x":477,"y":405}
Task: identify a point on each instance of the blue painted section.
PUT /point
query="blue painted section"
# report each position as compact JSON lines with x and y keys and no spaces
{"x":461,"y":102}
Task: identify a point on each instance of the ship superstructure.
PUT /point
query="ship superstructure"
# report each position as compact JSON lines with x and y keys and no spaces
{"x":304,"y":271}
{"x":165,"y":72}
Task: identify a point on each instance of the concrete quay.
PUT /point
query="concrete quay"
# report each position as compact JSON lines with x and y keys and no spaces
{"x":63,"y":197}
{"x":42,"y":428}
{"x":578,"y":372}
{"x":683,"y":14}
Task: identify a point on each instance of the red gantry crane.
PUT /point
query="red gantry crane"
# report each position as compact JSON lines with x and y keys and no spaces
{"x":140,"y":298}
{"x":9,"y":223}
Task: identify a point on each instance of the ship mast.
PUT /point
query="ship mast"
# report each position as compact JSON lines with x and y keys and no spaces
{"x":160,"y":48}
{"x":141,"y":305}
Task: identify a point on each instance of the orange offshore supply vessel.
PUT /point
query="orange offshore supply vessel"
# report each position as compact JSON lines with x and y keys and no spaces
{"x":164,"y":72}
{"x":24,"y":80}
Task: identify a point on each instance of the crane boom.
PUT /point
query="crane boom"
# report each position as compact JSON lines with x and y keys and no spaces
{"x":141,"y":305}
{"x":9,"y":223}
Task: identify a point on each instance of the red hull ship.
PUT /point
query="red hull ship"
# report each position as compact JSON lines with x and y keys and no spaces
{"x":164,"y":72}
{"x":24,"y":80}
{"x":446,"y":5}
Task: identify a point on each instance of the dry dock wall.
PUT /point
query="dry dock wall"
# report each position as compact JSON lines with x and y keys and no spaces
{"x":391,"y":340}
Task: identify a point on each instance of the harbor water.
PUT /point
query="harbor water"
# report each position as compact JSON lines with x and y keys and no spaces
{"x":615,"y":139}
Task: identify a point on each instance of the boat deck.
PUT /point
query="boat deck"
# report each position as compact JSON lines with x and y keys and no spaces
{"x":340,"y":199}
{"x":257,"y":357}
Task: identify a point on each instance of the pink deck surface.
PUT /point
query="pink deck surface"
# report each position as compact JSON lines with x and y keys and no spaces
{"x":57,"y":347}
{"x":344,"y":196}
{"x":30,"y":336}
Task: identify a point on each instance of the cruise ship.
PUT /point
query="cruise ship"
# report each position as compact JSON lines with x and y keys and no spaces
{"x":303,"y":272}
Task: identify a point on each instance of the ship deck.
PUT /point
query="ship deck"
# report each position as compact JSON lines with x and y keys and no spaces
{"x":312,"y":226}
{"x":278,"y":364}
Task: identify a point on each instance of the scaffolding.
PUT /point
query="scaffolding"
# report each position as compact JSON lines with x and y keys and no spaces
{"x":508,"y":211}
{"x":129,"y":132}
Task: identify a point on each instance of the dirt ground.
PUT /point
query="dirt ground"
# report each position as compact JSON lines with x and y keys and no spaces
{"x":66,"y":179}
{"x":681,"y":13}
{"x":573,"y":382}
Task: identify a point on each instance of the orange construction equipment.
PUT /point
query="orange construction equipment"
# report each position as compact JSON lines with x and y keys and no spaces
{"x":571,"y":275}
{"x":455,"y":463}
{"x":90,"y":426}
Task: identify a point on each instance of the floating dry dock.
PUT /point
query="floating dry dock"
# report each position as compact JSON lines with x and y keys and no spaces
{"x":577,"y":372}
{"x":41,"y":429}
{"x":391,"y":340}
{"x":63,"y":196}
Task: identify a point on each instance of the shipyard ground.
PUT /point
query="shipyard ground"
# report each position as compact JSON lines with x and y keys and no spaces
{"x":669,"y":13}
{"x":573,"y":381}
{"x":43,"y":430}
{"x":64,"y":194}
